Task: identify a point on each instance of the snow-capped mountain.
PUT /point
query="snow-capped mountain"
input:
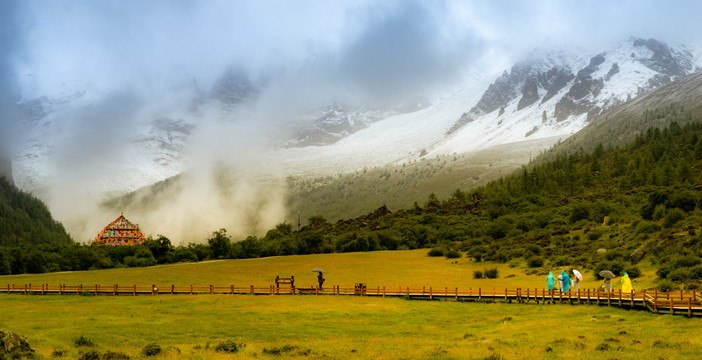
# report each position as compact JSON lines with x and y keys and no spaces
{"x":550,"y":95}
{"x":558,"y":93}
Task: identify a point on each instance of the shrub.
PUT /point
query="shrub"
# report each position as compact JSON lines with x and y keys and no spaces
{"x":673,"y":217}
{"x":452,"y":254}
{"x":58,"y":353}
{"x":560,"y":261}
{"x":229,"y":347}
{"x":278,"y":351}
{"x":83,"y":341}
{"x":535,"y":261}
{"x":152,"y":349}
{"x":579,"y":212}
{"x":90,"y":355}
{"x":646,"y":227}
{"x":114,"y":356}
{"x":659,"y":212}
{"x":667,"y":285}
{"x":679,"y":275}
{"x":633,"y":271}
{"x":491,"y":273}
{"x":696,"y":272}
{"x":477,"y":274}
{"x":437,"y":251}
{"x":594,"y":235}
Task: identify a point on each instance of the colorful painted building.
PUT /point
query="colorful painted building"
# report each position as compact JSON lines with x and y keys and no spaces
{"x":120,"y":232}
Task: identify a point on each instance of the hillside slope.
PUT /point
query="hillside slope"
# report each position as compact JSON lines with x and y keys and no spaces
{"x":25,"y":220}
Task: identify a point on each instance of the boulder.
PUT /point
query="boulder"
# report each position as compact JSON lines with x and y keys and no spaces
{"x":14,"y":346}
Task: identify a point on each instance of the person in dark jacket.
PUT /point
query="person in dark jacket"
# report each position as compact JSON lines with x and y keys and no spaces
{"x":320,"y":279}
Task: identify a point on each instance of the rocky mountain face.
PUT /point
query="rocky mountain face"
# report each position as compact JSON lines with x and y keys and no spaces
{"x":606,"y":79}
{"x":233,"y":88}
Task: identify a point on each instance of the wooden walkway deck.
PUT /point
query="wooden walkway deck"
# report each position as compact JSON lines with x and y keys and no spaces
{"x":673,"y":303}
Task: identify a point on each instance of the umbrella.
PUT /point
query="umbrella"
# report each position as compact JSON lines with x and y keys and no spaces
{"x":318,"y":270}
{"x":607,"y":274}
{"x":578,"y":275}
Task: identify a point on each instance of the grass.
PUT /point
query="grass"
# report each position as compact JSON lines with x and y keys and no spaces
{"x":343,"y":327}
{"x":411,"y":268}
{"x":192,"y":327}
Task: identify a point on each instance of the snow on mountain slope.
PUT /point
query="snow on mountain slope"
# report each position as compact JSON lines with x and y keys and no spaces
{"x":550,"y":95}
{"x":396,"y":139}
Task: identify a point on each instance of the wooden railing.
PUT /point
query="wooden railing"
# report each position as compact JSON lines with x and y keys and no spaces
{"x":678,"y":302}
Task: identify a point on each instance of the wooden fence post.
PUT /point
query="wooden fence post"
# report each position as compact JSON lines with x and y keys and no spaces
{"x":172,"y":289}
{"x":134,"y":291}
{"x":632,"y":298}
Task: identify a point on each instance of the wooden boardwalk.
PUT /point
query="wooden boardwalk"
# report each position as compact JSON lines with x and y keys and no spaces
{"x":674,"y":303}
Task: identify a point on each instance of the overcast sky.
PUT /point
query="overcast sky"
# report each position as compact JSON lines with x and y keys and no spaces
{"x":51,"y":45}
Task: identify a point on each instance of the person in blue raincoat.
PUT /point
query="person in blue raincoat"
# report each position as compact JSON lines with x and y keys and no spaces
{"x":551,"y":281}
{"x":566,"y":281}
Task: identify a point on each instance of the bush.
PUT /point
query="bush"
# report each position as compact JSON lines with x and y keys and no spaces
{"x":491,"y":273}
{"x":673,"y":217}
{"x":151,"y":350}
{"x":452,"y":254}
{"x":83,"y":341}
{"x":696,"y":272}
{"x":679,"y":275}
{"x":477,"y":274}
{"x":535,"y":262}
{"x":229,"y":347}
{"x":646,"y":227}
{"x":90,"y":355}
{"x":114,"y":356}
{"x":633,"y":271}
{"x":667,"y":285}
{"x":437,"y":251}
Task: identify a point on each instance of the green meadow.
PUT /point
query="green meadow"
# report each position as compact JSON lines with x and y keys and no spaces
{"x":336,"y":327}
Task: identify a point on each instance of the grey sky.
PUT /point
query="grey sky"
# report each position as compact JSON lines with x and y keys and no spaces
{"x":117,"y":44}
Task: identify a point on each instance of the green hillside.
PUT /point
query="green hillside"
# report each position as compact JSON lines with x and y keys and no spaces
{"x":25,"y":219}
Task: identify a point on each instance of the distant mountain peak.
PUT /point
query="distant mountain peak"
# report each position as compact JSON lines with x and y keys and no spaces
{"x":607,"y":79}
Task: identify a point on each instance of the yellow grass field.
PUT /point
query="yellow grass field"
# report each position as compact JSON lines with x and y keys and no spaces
{"x":335,"y":327}
{"x":411,"y":268}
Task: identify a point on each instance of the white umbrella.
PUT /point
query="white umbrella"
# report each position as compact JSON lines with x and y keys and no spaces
{"x":578,"y":275}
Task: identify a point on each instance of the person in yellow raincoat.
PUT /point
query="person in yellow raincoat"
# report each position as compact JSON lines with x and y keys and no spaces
{"x":626,"y":284}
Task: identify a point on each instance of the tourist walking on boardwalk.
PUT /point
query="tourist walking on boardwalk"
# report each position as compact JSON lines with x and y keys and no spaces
{"x":320,"y":279}
{"x":626,"y":284}
{"x":551,"y":281}
{"x":576,"y":280}
{"x":566,"y":281}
